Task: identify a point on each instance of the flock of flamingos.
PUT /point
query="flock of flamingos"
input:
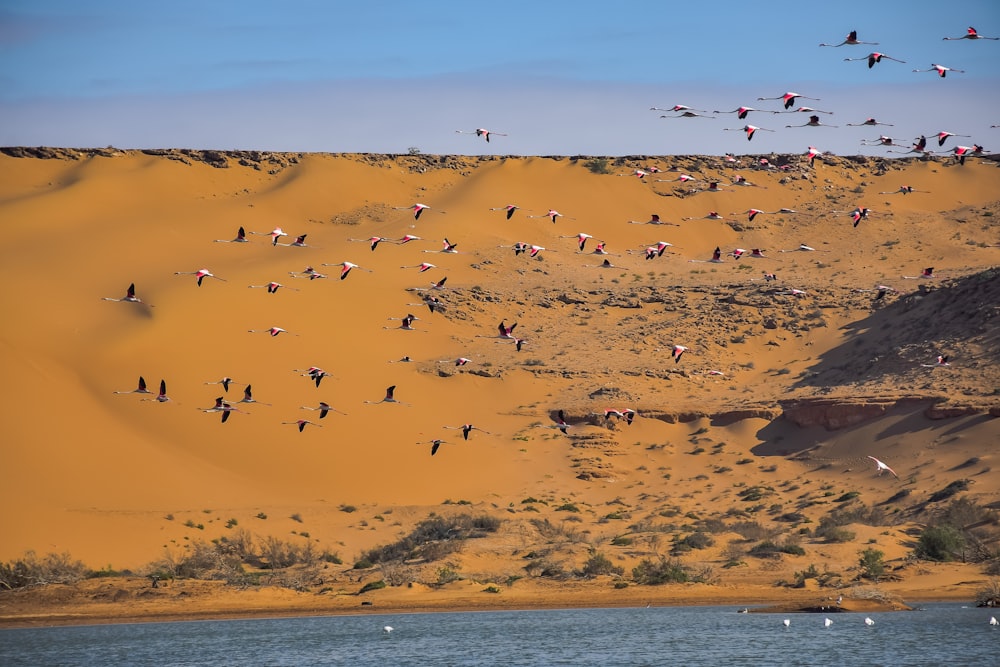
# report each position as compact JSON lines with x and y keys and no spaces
{"x":431,"y":296}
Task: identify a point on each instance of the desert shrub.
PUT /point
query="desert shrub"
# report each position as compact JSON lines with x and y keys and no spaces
{"x":751,"y":530}
{"x":372,"y":586}
{"x":957,"y":486}
{"x":434,"y":538}
{"x":34,"y":570}
{"x":621,"y":541}
{"x":598,"y":165}
{"x":664,"y":571}
{"x":872,"y":564}
{"x":599,"y":564}
{"x":771,"y":549}
{"x":830,"y":529}
{"x":698,"y":540}
{"x":989,"y":595}
{"x":940,"y":543}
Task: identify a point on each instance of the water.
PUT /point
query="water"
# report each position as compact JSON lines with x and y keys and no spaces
{"x":942,"y":634}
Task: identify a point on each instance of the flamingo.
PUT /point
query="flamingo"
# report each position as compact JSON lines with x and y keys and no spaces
{"x":416,"y":208}
{"x":851,"y":40}
{"x":309,"y":272}
{"x":389,"y":397}
{"x":406,"y":323}
{"x":424,"y":266}
{"x":301,"y":423}
{"x":346,"y":267}
{"x":129,"y":297}
{"x":793,"y":292}
{"x":407,"y":238}
{"x":881,"y":467}
{"x":743,"y":182}
{"x":506,"y":331}
{"x":140,"y":389}
{"x":881,"y":141}
{"x":448,"y":247}
{"x":741,"y":112}
{"x":714,"y":186}
{"x":551,"y":214}
{"x":813,"y":122}
{"x":466,"y":429}
{"x":941,"y":70}
{"x":274,"y":331}
{"x":942,"y":136}
{"x":225,"y":382}
{"x":919,"y":147}
{"x":374,"y":241}
{"x":323,"y":408}
{"x":481,"y":132}
{"x":316,"y":374}
{"x":690,"y":114}
{"x":561,"y":423}
{"x":272,"y":287}
{"x":510,"y":208}
{"x":812,"y":154}
{"x":970,"y":34}
{"x":868,"y":121}
{"x":677,"y":351}
{"x":712,"y":215}
{"x":769,"y":277}
{"x":676,"y":107}
{"x":248,"y":397}
{"x":518,"y":342}
{"x":749,"y":129}
{"x":876,"y":57}
{"x":859,"y":214}
{"x":533,"y":250}
{"x":224,"y":408}
{"x":683,"y":178}
{"x":160,"y":397}
{"x":962,"y":152}
{"x":241,"y":237}
{"x":903,"y":190}
{"x":200,"y":273}
{"x":789,"y":99}
{"x":275,"y":234}
{"x":435,"y":444}
{"x":299,"y":242}
{"x":581,"y":239}
{"x":654,"y":219}
{"x":804,"y":110}
{"x":927,"y":273}
{"x":942,"y":360}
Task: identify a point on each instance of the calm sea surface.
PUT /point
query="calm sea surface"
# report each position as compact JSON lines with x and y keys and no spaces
{"x":941,"y":634}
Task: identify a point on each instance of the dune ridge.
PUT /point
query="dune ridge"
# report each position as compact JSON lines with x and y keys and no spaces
{"x":776,"y":389}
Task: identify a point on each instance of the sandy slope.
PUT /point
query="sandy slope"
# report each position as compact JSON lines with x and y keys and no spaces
{"x":112,"y":479}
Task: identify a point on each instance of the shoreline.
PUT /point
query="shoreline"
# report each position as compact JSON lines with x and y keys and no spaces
{"x":82,"y":606}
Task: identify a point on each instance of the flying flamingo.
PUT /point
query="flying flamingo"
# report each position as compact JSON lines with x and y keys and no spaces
{"x":943,"y":136}
{"x":274,"y":331}
{"x":654,"y":219}
{"x":162,"y":396}
{"x":407,"y":238}
{"x":804,"y":110}
{"x":970,"y":34}
{"x":561,"y":422}
{"x":224,"y":408}
{"x":712,"y":215}
{"x":374,"y":241}
{"x":676,"y":107}
{"x":551,"y":214}
{"x":927,"y":273}
{"x":248,"y":397}
{"x":743,"y":182}
{"x":812,"y":154}
{"x":510,"y":208}
{"x":677,"y":351}
{"x":581,"y":239}
{"x":140,"y":389}
{"x":868,"y":121}
{"x":424,"y":266}
{"x":299,"y":242}
{"x":389,"y":397}
{"x":789,"y":99}
{"x":324,"y":409}
{"x":813,"y":122}
{"x":481,"y":132}
{"x":466,"y":429}
{"x":941,"y":70}
{"x":883,"y":140}
{"x":448,"y":247}
{"x":200,"y":273}
{"x":506,"y":331}
{"x":851,"y":40}
{"x":301,"y":423}
{"x":275,"y":234}
{"x":919,"y":147}
{"x":903,"y":190}
{"x":272,"y":287}
{"x":962,"y":152}
{"x":690,"y":114}
{"x":435,"y":444}
{"x":741,"y":112}
{"x":406,"y":323}
{"x":716,"y":257}
{"x":858,"y":214}
{"x":316,"y":374}
{"x":241,"y":237}
{"x":942,"y":360}
{"x":683,"y":178}
{"x":345,"y":268}
{"x":129,"y":297}
{"x":749,"y":129}
{"x":876,"y":57}
{"x":416,"y":208}
{"x":881,"y":467}
{"x":225,"y":382}
{"x":309,"y":272}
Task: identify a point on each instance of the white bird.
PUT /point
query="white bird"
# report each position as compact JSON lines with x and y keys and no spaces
{"x":868,"y":621}
{"x":787,"y":622}
{"x":345,"y":268}
{"x":994,"y":621}
{"x":827,"y":622}
{"x":881,"y":467}
{"x":481,"y":132}
{"x":387,"y":629}
{"x":275,"y":234}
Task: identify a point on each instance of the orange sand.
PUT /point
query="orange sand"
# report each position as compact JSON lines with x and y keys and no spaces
{"x":112,"y":479}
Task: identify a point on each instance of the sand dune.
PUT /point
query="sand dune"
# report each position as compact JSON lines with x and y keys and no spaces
{"x":96,"y":473}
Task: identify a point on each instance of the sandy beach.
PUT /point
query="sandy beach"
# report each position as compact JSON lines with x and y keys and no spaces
{"x":761,"y":429}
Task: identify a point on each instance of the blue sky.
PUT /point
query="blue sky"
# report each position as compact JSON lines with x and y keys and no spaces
{"x":560,"y":78}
